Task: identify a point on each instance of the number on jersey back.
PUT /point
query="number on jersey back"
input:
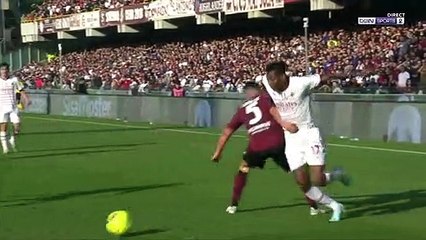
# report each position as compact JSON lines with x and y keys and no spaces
{"x":252,"y":107}
{"x":264,"y":132}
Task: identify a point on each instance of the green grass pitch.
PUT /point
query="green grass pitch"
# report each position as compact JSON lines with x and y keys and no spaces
{"x":71,"y":172}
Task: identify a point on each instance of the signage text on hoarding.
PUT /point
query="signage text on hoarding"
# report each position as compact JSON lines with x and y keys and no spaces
{"x":206,"y":6}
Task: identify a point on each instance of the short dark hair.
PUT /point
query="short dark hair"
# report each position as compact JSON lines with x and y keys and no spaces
{"x":278,"y":67}
{"x":4,"y":64}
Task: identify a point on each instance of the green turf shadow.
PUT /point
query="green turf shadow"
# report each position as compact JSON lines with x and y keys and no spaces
{"x":70,"y":153}
{"x":369,"y":204}
{"x":106,"y":130}
{"x":142,"y":233}
{"x":383,"y":203}
{"x":271,"y":207}
{"x":75,"y":194}
{"x":90,"y":147}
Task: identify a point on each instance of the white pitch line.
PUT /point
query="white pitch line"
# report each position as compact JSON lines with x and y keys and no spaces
{"x":213,"y":134}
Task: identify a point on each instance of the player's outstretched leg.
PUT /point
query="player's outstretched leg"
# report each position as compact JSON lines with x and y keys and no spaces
{"x":339,"y":174}
{"x":3,"y":137}
{"x":302,"y":180}
{"x":317,"y":195}
{"x":314,"y":209}
{"x":240,"y":181}
{"x":321,"y":178}
{"x":281,"y":160}
{"x":12,"y":141}
{"x":12,"y":138}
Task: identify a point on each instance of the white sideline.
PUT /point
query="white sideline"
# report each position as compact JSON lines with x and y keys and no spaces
{"x":213,"y":134}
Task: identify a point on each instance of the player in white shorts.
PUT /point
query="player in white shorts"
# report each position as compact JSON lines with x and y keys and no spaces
{"x":9,"y":112}
{"x":291,"y":96}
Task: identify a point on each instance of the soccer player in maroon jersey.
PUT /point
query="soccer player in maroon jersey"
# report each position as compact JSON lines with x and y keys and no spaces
{"x":266,"y":137}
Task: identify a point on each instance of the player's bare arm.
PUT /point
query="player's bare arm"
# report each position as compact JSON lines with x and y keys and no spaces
{"x":291,"y":127}
{"x":25,"y":98}
{"x":223,"y":139}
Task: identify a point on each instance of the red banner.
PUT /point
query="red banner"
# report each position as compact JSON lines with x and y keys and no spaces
{"x":135,"y":14}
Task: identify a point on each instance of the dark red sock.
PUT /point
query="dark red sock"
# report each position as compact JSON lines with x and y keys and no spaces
{"x":311,"y":202}
{"x":239,"y":183}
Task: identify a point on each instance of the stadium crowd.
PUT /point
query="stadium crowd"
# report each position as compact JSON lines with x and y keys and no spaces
{"x":382,"y":59}
{"x":55,"y":8}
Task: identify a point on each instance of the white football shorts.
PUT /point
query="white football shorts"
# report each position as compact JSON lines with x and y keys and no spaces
{"x":10,"y":116}
{"x":304,"y":147}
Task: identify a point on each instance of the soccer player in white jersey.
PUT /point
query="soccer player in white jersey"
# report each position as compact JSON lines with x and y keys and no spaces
{"x":8,"y":106}
{"x":291,"y":96}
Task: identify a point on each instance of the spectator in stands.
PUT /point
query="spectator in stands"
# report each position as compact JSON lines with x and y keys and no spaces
{"x":178,"y":91}
{"x":143,"y":87}
{"x":39,"y":83}
{"x":336,"y":88}
{"x":403,"y":77}
{"x":422,"y":72}
{"x":55,"y":8}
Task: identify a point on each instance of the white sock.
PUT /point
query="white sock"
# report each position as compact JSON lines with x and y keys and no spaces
{"x":3,"y":138}
{"x":318,"y":196}
{"x":12,"y":140}
{"x":327,"y":177}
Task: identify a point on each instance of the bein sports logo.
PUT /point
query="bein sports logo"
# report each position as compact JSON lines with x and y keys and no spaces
{"x":391,"y":19}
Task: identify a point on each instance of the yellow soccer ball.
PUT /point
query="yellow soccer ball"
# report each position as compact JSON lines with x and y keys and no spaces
{"x":118,"y":222}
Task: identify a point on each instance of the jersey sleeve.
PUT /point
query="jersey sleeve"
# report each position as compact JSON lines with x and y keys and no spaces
{"x":266,"y":101}
{"x":19,"y":85}
{"x":266,"y":87}
{"x":237,"y":120}
{"x":312,"y":81}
